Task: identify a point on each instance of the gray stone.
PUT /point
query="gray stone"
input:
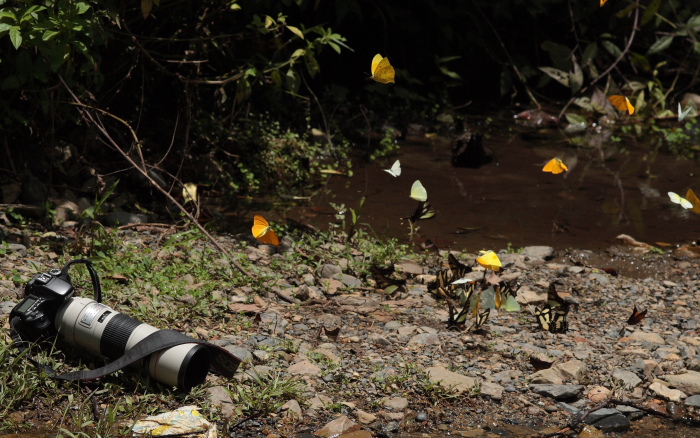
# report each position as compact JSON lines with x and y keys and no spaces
{"x":347,"y":280}
{"x":549,"y":376}
{"x":304,"y":367}
{"x":16,"y":247}
{"x":693,"y":400}
{"x":630,"y":412}
{"x":6,"y":307}
{"x":608,"y":420}
{"x":421,"y":417}
{"x":569,"y":408}
{"x":424,"y":339}
{"x":651,"y":338}
{"x":493,"y":390}
{"x":218,"y":396}
{"x":328,"y":270}
{"x":395,"y":403}
{"x":538,"y":252}
{"x":116,"y":218}
{"x":239,"y":352}
{"x":630,"y":379}
{"x":557,"y":392}
{"x":378,"y":339}
{"x":409,"y":268}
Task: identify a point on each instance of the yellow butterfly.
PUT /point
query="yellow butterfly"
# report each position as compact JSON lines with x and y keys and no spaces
{"x":263,"y":232}
{"x":382,"y":71}
{"x":489,"y":260}
{"x":418,"y":192}
{"x":555,"y":165}
{"x":622,"y":103}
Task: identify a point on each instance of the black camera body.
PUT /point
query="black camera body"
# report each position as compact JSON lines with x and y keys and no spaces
{"x":35,"y":316}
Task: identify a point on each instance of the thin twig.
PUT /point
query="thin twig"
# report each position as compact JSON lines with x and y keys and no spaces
{"x":96,"y":121}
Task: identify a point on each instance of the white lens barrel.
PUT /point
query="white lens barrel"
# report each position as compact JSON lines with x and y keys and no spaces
{"x":103,"y":331}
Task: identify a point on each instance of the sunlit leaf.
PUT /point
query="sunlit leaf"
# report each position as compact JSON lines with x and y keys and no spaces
{"x":558,"y":75}
{"x":297,"y":53}
{"x":584,"y":102}
{"x":269,"y":22}
{"x":16,"y":37}
{"x":660,"y":45}
{"x":650,"y":11}
{"x":449,"y":73}
{"x":296,"y":31}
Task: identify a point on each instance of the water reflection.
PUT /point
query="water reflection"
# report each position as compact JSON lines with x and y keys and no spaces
{"x":612,"y":187}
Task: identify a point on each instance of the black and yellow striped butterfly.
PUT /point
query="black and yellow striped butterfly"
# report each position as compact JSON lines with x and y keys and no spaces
{"x":423,"y":211}
{"x":465,"y":294}
{"x":481,"y":319}
{"x":458,"y":269}
{"x":552,"y":319}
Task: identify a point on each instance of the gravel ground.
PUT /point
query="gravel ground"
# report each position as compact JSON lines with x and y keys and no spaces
{"x":396,"y":368}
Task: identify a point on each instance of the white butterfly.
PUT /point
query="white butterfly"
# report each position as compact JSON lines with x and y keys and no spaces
{"x":683,"y":114}
{"x":677,"y":199}
{"x":395,"y":169}
{"x":462,"y":281}
{"x":418,"y":192}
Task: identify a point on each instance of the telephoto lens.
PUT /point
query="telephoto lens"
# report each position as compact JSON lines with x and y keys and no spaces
{"x":103,"y":331}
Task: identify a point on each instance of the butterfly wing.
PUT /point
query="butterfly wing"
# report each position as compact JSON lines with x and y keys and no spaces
{"x":458,"y":268}
{"x":690,"y":196}
{"x":395,"y":169}
{"x":263,"y":232}
{"x":512,"y":304}
{"x":603,"y":2}
{"x":382,"y":71}
{"x":544,"y":317}
{"x":559,"y":323}
{"x":555,"y":166}
{"x":481,"y":318}
{"x":677,"y":199}
{"x":489,"y":260}
{"x":622,"y":103}
{"x":418,"y":192}
{"x":375,"y":62}
{"x":636,"y":316}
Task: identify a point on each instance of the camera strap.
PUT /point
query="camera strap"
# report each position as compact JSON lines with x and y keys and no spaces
{"x":223,"y":362}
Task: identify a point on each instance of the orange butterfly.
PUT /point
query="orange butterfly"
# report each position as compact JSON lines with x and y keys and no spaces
{"x":636,"y":316}
{"x":622,"y":103}
{"x":555,"y":165}
{"x":603,"y":2}
{"x":263,"y":232}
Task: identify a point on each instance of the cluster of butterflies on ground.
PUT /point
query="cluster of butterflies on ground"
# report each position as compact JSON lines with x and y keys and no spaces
{"x":467,"y":297}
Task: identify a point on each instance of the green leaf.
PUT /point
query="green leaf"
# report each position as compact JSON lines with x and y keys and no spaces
{"x":560,"y":54}
{"x":296,"y":31}
{"x":575,"y":119}
{"x":298,"y":53}
{"x":4,"y":27}
{"x":449,"y":73}
{"x":311,"y":65}
{"x":660,"y":45}
{"x":84,"y":7}
{"x":589,"y":53}
{"x":651,"y":11}
{"x":558,"y":75}
{"x":334,"y":46}
{"x":576,"y":78}
{"x":640,"y":61}
{"x":584,"y":102}
{"x":49,"y":34}
{"x":611,"y":48}
{"x":693,"y":22}
{"x":16,"y":37}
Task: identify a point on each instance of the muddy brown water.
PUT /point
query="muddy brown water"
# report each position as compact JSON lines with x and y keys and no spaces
{"x":611,"y":188}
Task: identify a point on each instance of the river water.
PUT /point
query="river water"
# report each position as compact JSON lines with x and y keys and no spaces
{"x":611,"y":188}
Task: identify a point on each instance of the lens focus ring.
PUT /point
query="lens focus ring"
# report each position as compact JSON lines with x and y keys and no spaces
{"x":116,"y":334}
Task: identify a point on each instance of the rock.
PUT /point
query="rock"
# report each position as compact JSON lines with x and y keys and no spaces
{"x":630,"y":412}
{"x":590,"y":431}
{"x":448,"y":379}
{"x":239,"y":352}
{"x":651,"y":338}
{"x":424,"y":339}
{"x":598,"y":394}
{"x":320,"y":401}
{"x":347,"y":280}
{"x":292,"y":410}
{"x":608,"y":420}
{"x":396,"y":403}
{"x":377,"y":339}
{"x":548,"y":376}
{"x":693,"y":400}
{"x":688,"y":382}
{"x":365,"y":417}
{"x":116,"y":218}
{"x":357,"y":434}
{"x":219,"y":397}
{"x":338,"y":426}
{"x":571,"y":370}
{"x":328,"y":270}
{"x":304,"y":367}
{"x":630,"y":379}
{"x":666,"y":392}
{"x":409,"y":267}
{"x":539,"y":252}
{"x":557,"y":392}
{"x":528,"y":296}
{"x":493,"y":390}
{"x":421,"y":417}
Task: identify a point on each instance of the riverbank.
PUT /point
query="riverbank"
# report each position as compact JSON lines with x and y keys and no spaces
{"x":394,"y":368}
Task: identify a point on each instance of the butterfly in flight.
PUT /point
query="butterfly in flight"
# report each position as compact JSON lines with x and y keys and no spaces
{"x":395,"y":169}
{"x":682,"y":114}
{"x":555,"y":166}
{"x":690,"y":201}
{"x":552,"y":319}
{"x":263,"y":232}
{"x":382,"y":71}
{"x":622,"y":103}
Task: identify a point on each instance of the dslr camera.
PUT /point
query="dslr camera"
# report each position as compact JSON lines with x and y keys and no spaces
{"x":49,"y":308}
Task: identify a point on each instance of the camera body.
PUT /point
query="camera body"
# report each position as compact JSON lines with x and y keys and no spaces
{"x":50,"y":307}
